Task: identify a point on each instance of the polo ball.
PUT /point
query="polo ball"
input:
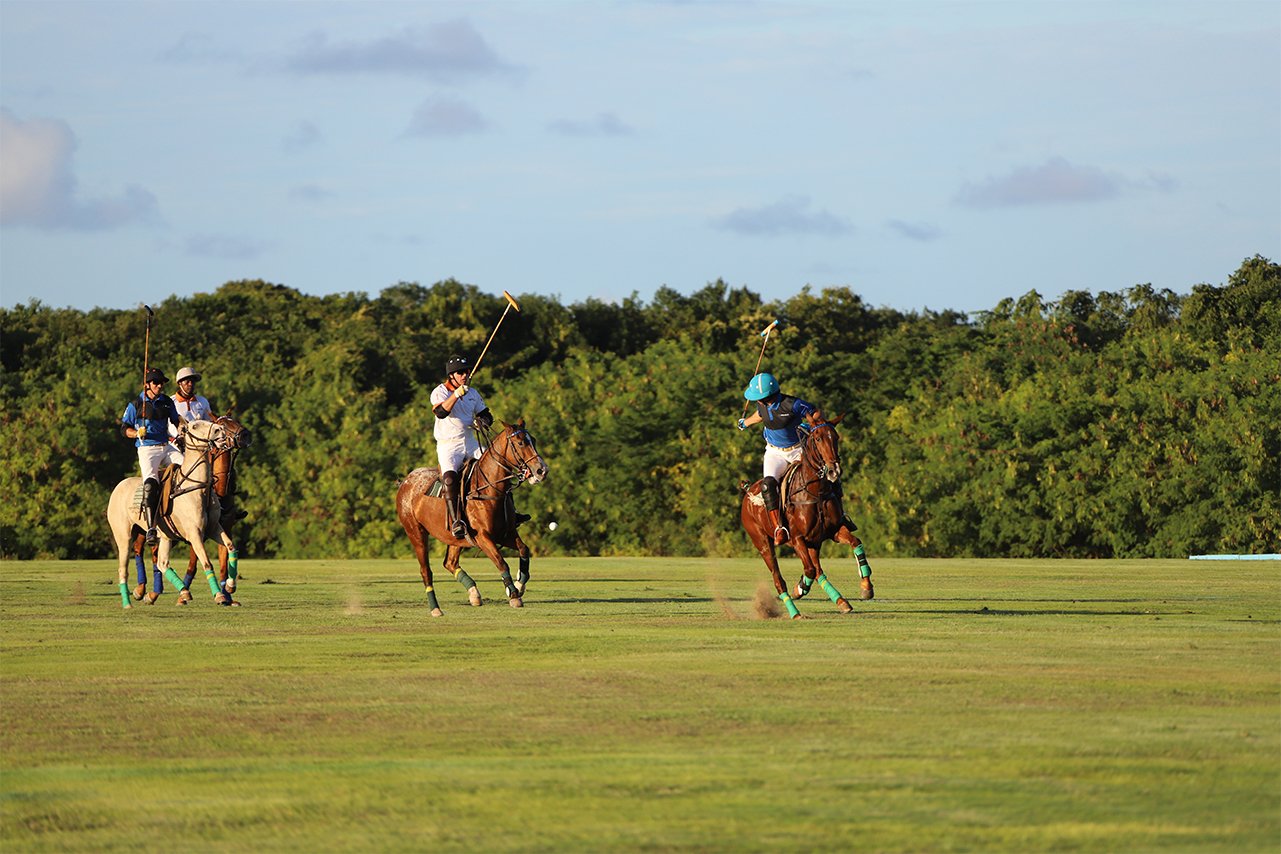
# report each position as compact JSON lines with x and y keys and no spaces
{"x":551,"y":526}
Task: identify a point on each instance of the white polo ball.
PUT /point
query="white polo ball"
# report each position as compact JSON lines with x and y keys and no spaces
{"x":551,"y":526}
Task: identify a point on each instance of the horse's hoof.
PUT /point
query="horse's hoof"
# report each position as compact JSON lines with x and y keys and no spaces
{"x":436,"y":612}
{"x":127,"y":607}
{"x":230,"y":585}
{"x":220,"y":599}
{"x":515,"y":602}
{"x":865,"y":590}
{"x":139,"y":592}
{"x":152,"y":597}
{"x":473,"y":595}
{"x":843,"y":606}
{"x":184,"y":596}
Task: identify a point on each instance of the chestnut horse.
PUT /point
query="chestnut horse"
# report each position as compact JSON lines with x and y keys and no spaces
{"x":193,"y":514}
{"x":224,"y":486}
{"x":509,"y":461}
{"x":812,"y":510}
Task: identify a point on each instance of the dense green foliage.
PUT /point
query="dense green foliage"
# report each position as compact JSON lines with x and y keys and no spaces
{"x":1112,"y":425}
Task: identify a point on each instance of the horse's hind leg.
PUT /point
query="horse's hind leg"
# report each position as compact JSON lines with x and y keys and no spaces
{"x":452,"y":555}
{"x":845,"y":534}
{"x":765,"y":545}
{"x":810,"y":557}
{"x":418,"y":539}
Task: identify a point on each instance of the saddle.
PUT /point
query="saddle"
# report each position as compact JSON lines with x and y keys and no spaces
{"x":437,"y":488}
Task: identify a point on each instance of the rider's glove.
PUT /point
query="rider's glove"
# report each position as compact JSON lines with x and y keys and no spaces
{"x":460,"y":391}
{"x":742,"y":423}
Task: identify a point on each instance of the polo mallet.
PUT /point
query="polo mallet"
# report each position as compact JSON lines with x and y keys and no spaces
{"x":764,"y":334}
{"x":511,"y":303}
{"x":146,"y":348}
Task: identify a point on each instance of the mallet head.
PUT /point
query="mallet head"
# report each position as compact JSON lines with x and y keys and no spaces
{"x":766,"y":330}
{"x":512,"y":300}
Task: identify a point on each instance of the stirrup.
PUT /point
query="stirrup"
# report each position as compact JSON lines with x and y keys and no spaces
{"x":458,"y":529}
{"x":781,"y":535}
{"x":152,"y":537}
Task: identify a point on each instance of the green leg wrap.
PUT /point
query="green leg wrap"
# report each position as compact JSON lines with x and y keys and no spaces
{"x":832,"y":592}
{"x":232,"y":563}
{"x":431,"y":599}
{"x":124,"y":594}
{"x":508,"y":587}
{"x":464,"y":579}
{"x":172,"y":578}
{"x":213,"y":581}
{"x":792,"y":610}
{"x":864,"y":568}
{"x":805,"y":583}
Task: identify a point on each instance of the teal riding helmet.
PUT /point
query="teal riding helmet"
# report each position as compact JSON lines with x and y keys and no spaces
{"x":761,"y":387}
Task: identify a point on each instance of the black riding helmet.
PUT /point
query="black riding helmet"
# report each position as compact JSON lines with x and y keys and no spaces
{"x":457,"y":364}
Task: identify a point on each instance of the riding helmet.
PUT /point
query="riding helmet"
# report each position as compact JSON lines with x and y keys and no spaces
{"x":155,"y":375}
{"x":456,"y":364}
{"x":187,"y":373}
{"x":761,"y":387}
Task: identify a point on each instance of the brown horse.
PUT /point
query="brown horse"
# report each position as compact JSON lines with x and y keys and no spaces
{"x":812,"y":507}
{"x":510,"y":460}
{"x":224,"y":486}
{"x":193,"y":513}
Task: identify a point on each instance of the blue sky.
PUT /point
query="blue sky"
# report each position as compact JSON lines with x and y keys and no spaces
{"x":922,"y":153}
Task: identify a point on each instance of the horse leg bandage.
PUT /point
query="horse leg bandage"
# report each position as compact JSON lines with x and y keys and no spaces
{"x":464,"y":579}
{"x":828,"y":588}
{"x":792,"y":610}
{"x":431,"y":599}
{"x":172,"y":578}
{"x":124,"y":594}
{"x":864,"y":568}
{"x":803,"y":586}
{"x":233,"y":563}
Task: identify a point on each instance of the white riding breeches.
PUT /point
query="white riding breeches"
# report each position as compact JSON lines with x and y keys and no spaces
{"x":150,"y":460}
{"x":452,"y":455}
{"x":778,"y":459}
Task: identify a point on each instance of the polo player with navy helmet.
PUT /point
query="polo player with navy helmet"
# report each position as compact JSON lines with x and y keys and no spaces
{"x":146,"y":420}
{"x":782,"y":416}
{"x":459,"y":410}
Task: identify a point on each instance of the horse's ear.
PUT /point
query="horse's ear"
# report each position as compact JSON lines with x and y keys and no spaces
{"x":815,"y":418}
{"x":838,"y":419}
{"x":521,"y":423}
{"x":230,"y":413}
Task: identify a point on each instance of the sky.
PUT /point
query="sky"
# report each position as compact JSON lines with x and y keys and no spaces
{"x":924,"y":154}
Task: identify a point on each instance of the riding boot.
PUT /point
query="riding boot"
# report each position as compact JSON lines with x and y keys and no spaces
{"x":150,"y":498}
{"x":453,"y":503}
{"x":769,"y":491}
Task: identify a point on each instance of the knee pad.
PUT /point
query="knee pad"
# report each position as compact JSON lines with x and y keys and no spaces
{"x":150,"y":491}
{"x":769,"y":491}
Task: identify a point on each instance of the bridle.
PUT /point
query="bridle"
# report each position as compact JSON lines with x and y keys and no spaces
{"x":516,"y":470}
{"x":186,"y":480}
{"x":826,"y":472}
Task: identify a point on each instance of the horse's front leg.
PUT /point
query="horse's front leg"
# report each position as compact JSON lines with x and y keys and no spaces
{"x":228,"y":561}
{"x":197,"y":543}
{"x":522,"y":574}
{"x":762,"y":538}
{"x":845,"y":534}
{"x":163,"y":567}
{"x":491,"y":550}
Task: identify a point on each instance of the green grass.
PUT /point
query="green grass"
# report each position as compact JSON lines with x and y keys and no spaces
{"x":638,"y":705}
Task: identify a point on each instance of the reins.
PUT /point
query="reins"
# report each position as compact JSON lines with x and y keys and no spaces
{"x":819,"y":471}
{"x":517,"y":471}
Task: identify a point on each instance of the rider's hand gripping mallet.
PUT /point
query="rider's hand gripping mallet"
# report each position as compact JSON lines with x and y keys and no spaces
{"x":511,"y":303}
{"x":764,"y":334}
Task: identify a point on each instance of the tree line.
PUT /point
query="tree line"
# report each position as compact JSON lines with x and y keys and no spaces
{"x":1110,"y":425}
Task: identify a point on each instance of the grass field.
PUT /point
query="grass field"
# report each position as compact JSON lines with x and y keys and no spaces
{"x":639,"y":705}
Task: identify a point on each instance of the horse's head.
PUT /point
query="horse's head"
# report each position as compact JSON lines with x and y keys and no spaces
{"x":200,"y":436}
{"x":238,"y":435}
{"x":520,"y":452}
{"x":822,"y":448}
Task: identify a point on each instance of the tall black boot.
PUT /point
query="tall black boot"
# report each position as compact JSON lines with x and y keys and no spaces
{"x":769,"y":491}
{"x":150,"y":498}
{"x":453,"y":501}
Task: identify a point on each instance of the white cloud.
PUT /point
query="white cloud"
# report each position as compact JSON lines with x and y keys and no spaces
{"x":1055,"y":181}
{"x":227,"y":247}
{"x":301,"y":136}
{"x":604,"y":124}
{"x":38,"y":187}
{"x":446,"y":52}
{"x":922,"y":231}
{"x":789,"y":215}
{"x":446,"y":117}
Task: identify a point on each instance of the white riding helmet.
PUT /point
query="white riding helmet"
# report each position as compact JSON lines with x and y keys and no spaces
{"x":187,"y":373}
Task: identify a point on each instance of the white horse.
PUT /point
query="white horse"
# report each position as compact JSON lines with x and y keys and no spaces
{"x":194,"y":516}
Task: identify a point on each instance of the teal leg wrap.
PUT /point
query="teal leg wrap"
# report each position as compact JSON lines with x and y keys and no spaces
{"x":464,"y":579}
{"x":431,"y":599}
{"x":124,"y":594}
{"x":233,"y":563}
{"x":172,"y":578}
{"x":792,"y":610}
{"x":864,"y":568}
{"x":831,"y":591}
{"x":213,"y":581}
{"x":805,"y":583}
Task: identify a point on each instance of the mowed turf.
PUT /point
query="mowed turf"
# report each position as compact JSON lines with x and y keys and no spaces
{"x":641,"y":705}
